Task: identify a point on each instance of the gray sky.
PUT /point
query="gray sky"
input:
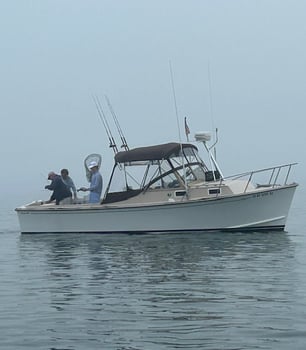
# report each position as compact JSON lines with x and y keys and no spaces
{"x":56,"y":54}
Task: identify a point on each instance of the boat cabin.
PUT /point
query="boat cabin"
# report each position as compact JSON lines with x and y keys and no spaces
{"x":160,"y":167}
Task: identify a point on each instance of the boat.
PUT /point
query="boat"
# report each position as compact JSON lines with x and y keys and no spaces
{"x":169,"y":188}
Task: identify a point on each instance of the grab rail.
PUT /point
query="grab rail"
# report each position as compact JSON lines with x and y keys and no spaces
{"x":276,"y":173}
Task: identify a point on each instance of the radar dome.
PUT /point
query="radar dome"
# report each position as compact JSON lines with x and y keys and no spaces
{"x":202,"y":136}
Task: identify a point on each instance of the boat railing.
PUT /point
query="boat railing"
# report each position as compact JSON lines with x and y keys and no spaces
{"x":269,"y":177}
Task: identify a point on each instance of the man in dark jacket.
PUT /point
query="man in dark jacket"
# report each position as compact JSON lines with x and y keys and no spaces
{"x":60,"y":190}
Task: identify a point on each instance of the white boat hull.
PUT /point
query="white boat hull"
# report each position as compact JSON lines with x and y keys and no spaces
{"x":261,"y":210}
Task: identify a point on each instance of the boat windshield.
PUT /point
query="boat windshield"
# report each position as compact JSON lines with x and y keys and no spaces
{"x":179,"y":167}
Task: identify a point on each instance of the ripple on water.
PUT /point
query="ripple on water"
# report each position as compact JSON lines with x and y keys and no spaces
{"x":187,"y":291}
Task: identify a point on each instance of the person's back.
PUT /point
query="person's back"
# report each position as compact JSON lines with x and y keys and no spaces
{"x":60,"y":190}
{"x":69,"y":182}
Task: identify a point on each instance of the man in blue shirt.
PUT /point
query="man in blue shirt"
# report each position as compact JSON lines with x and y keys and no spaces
{"x":96,"y":183}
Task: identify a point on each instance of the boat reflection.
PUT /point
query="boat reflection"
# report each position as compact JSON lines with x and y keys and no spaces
{"x":156,"y":285}
{"x":150,"y":252}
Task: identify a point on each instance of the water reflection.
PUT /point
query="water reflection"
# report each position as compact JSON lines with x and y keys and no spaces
{"x":152,"y":251}
{"x":98,"y":259}
{"x":160,"y":291}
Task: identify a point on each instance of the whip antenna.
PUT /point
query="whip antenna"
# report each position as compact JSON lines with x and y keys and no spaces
{"x":212,"y":111}
{"x":178,"y":124}
{"x":175,"y":104}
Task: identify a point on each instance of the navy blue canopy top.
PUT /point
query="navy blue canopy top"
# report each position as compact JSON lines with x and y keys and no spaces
{"x":157,"y":152}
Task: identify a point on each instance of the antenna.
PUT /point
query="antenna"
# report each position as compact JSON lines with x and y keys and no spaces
{"x":178,"y":124}
{"x":123,"y":140}
{"x":175,"y":104}
{"x":112,"y":143}
{"x":212,"y":111}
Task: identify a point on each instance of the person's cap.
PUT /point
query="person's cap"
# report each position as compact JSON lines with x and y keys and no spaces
{"x":52,"y":173}
{"x":92,"y":164}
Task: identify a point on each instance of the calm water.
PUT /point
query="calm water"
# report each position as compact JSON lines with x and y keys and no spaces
{"x":128,"y":292}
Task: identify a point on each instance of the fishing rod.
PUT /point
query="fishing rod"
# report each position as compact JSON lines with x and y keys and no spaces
{"x":112,"y":143}
{"x":123,"y":139}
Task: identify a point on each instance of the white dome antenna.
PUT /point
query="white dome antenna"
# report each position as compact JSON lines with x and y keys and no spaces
{"x":202,"y":136}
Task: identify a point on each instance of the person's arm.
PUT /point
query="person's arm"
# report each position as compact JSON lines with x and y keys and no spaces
{"x":70,"y":184}
{"x":52,"y":186}
{"x":96,"y":181}
{"x":74,"y":190}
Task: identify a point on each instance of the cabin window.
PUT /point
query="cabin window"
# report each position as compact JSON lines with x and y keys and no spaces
{"x":214,"y":191}
{"x":212,"y":175}
{"x":180,"y":193}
